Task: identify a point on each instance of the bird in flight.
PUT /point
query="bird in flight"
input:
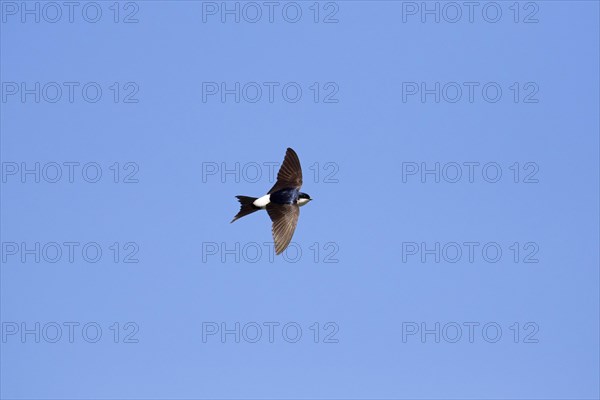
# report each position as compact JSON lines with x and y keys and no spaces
{"x":282,"y":202}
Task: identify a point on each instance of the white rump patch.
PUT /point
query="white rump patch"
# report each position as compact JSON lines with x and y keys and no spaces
{"x":262,"y":202}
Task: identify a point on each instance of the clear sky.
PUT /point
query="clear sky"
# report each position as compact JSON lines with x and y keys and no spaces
{"x":451,"y":250}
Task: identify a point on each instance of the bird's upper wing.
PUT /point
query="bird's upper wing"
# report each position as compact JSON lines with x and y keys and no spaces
{"x":290,"y":173}
{"x":285,"y":219}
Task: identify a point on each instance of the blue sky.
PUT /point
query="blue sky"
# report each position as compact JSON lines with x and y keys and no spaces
{"x":451,"y":250}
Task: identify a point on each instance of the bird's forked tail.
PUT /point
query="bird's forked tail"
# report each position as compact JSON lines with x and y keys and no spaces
{"x":247,"y":207}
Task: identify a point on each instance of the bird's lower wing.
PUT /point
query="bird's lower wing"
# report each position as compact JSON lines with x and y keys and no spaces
{"x":285,"y":219}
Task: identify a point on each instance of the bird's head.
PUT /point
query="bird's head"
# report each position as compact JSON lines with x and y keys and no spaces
{"x":303,"y":199}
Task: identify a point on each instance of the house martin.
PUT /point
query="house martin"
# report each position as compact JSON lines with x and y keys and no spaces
{"x":282,"y":202}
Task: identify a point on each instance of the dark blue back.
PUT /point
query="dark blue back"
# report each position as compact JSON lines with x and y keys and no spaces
{"x":285,"y":196}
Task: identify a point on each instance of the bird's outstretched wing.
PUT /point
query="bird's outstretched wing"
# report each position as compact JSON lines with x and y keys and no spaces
{"x":290,"y":173}
{"x":285,"y":219}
